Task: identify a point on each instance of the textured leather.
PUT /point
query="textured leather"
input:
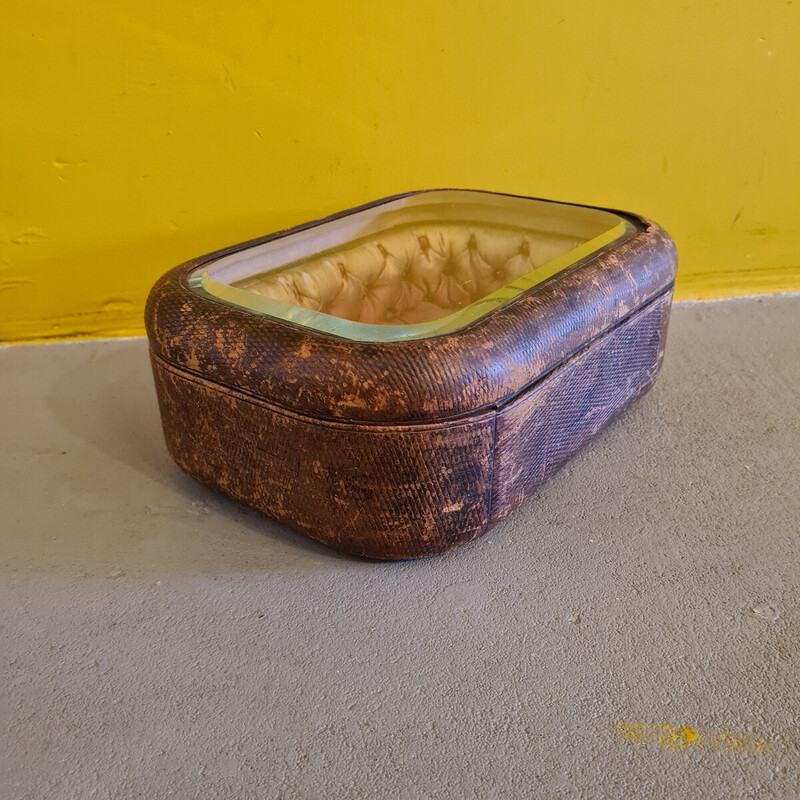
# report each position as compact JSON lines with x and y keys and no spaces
{"x":411,"y":274}
{"x":394,"y":492}
{"x":381,"y":492}
{"x":444,"y":377}
{"x":403,"y":449}
{"x":539,"y":431}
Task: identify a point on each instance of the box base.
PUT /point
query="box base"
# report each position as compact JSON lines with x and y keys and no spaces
{"x":413,"y":490}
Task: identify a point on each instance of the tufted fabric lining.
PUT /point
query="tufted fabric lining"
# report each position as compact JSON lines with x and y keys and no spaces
{"x":410,"y":275}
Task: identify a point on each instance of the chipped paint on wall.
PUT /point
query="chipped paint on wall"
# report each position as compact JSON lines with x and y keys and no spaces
{"x":137,"y":135}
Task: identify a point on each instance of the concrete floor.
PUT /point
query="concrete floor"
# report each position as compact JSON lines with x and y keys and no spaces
{"x":633,"y":630}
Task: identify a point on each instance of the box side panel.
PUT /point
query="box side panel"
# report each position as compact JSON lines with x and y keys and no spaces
{"x":540,"y":430}
{"x":381,"y":492}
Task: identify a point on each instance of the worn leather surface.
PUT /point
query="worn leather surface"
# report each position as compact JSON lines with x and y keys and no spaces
{"x":394,"y":492}
{"x":444,"y":377}
{"x":410,"y":274}
{"x":538,"y":432}
{"x":404,"y":449}
{"x":381,"y":492}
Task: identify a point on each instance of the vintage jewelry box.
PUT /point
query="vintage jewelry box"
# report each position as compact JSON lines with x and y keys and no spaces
{"x":396,"y":379}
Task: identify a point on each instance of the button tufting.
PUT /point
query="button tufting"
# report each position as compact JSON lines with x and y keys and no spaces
{"x":404,"y":278}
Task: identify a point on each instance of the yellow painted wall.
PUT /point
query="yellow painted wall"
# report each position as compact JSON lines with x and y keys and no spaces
{"x":138,"y":133}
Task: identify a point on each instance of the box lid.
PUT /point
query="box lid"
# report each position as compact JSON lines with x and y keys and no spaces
{"x":493,"y":321}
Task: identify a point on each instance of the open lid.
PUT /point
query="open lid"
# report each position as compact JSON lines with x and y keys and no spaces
{"x":416,"y":308}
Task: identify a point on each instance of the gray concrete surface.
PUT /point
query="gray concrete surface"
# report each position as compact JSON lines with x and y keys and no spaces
{"x":632,"y":631}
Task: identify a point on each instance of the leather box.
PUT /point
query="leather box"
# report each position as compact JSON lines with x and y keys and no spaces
{"x":396,"y":379}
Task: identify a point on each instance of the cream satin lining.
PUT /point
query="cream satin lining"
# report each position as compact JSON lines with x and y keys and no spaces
{"x":411,"y":274}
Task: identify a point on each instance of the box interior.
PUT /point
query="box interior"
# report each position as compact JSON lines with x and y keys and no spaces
{"x":416,"y":266}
